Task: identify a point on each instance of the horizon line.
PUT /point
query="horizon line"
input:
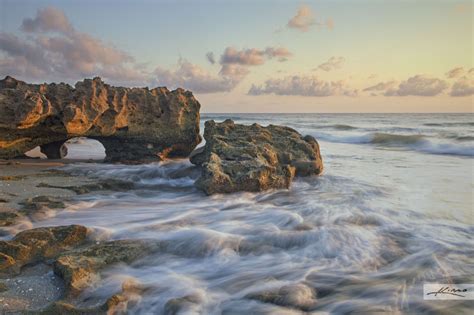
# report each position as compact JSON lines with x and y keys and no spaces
{"x":284,"y":113}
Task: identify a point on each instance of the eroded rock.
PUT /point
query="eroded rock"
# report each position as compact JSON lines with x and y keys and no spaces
{"x":80,"y":268}
{"x":78,"y":261}
{"x":253,"y":158}
{"x":132,"y":123}
{"x":39,"y":244}
{"x":189,"y":304}
{"x":299,"y":296}
{"x":8,"y":218}
{"x":120,"y":303}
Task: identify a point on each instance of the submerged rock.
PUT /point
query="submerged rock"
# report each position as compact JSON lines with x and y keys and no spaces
{"x":80,"y":268}
{"x":132,"y":123}
{"x":253,"y":158}
{"x":119,"y":303}
{"x":8,"y":218}
{"x":189,"y":304}
{"x":299,"y":296}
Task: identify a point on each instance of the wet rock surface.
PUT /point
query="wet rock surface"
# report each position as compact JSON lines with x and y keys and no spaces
{"x":299,"y":296}
{"x":46,"y":269}
{"x":120,"y":303}
{"x":190,"y":304}
{"x":132,"y":123}
{"x":39,"y":244}
{"x":80,"y":268}
{"x":253,"y":158}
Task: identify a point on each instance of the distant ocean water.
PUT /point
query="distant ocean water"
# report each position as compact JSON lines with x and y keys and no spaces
{"x":393,"y":210}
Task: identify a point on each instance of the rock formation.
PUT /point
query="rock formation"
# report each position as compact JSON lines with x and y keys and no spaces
{"x":299,"y":296}
{"x":253,"y":158}
{"x":39,"y":244}
{"x":78,"y":261}
{"x":131,"y":123}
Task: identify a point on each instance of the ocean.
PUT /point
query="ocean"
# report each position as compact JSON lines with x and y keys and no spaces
{"x":392,"y":211}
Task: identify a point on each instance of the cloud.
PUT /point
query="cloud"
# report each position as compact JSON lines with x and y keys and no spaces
{"x":66,"y":54}
{"x":421,"y":85}
{"x":418,"y":85}
{"x":463,"y":87}
{"x":234,"y":71}
{"x":462,"y":8}
{"x":253,"y":56}
{"x":382,"y":86}
{"x":304,"y":19}
{"x":196,"y":79}
{"x":13,"y":46}
{"x":455,"y":73}
{"x":48,"y":19}
{"x":302,"y":86}
{"x":351,"y":93}
{"x":248,"y":57}
{"x":210,"y":57}
{"x":53,"y":50}
{"x":332,"y":64}
{"x":330,"y":24}
{"x":281,"y":53}
{"x":234,"y":68}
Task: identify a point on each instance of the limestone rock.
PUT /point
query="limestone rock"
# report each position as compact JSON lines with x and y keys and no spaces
{"x":78,"y":261}
{"x":8,"y":218}
{"x":39,"y":244}
{"x":189,"y":304}
{"x":116,"y":304}
{"x":132,"y":123}
{"x":299,"y":296}
{"x":253,"y":158}
{"x":80,"y":268}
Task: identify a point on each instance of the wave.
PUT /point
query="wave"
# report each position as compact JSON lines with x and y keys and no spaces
{"x":465,"y":138}
{"x":450,"y":124}
{"x":417,"y":142}
{"x":374,"y":138}
{"x":395,"y":139}
{"x":336,"y":127}
{"x":176,"y":173}
{"x":446,"y":149}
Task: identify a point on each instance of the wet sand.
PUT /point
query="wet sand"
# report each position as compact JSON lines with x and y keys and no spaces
{"x":23,"y":179}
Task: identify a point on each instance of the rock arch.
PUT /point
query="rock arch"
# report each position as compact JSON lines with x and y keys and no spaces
{"x":133,"y":124}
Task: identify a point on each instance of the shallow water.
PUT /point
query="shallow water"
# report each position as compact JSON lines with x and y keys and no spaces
{"x":392,"y":210}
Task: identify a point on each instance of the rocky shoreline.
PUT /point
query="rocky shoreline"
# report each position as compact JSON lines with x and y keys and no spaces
{"x":46,"y":270}
{"x":76,"y":258}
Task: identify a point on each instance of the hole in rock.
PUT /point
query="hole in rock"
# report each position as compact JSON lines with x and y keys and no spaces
{"x":35,"y":153}
{"x":79,"y":148}
{"x":84,"y":148}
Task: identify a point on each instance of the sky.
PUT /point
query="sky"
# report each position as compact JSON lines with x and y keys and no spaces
{"x":254,"y":56}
